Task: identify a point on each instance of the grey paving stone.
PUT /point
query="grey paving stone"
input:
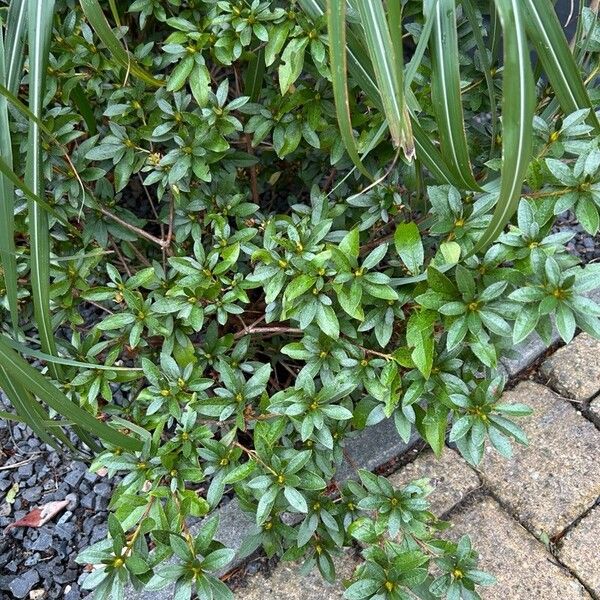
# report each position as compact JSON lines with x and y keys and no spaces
{"x":286,"y":583}
{"x":580,"y":550}
{"x":451,"y":478}
{"x":574,"y":370}
{"x":595,"y":409}
{"x":373,"y":447}
{"x":555,"y":479}
{"x":527,"y":352}
{"x":523,"y":568}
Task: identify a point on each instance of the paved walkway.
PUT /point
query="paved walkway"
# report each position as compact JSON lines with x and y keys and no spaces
{"x":534,"y":518}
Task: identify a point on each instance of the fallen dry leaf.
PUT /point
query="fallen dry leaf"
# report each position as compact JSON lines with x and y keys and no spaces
{"x":39,"y":516}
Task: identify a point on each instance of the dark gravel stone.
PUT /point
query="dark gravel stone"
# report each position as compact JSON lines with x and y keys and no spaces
{"x":32,"y":494}
{"x":88,"y":501}
{"x":103,"y":489}
{"x":67,"y":577}
{"x":21,"y":585}
{"x":91,"y":477}
{"x":73,"y":594}
{"x":65,"y":531}
{"x":101,"y":504}
{"x":11,"y":566}
{"x":32,"y":560}
{"x":43,"y":542}
{"x":74,"y":477}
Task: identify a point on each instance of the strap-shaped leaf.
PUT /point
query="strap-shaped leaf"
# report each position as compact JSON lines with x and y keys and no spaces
{"x":28,"y":378}
{"x":16,"y":29}
{"x":382,"y":51}
{"x":336,"y":24}
{"x":517,"y":117}
{"x":471,"y":15}
{"x":445,"y":90}
{"x":7,"y":205}
{"x":95,"y":16}
{"x":361,"y":72}
{"x":39,"y":29}
{"x":546,"y":33}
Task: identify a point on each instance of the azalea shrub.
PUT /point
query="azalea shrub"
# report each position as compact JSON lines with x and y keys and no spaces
{"x":243,"y":233}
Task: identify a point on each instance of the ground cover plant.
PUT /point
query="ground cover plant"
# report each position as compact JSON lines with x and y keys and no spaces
{"x":233,"y":234}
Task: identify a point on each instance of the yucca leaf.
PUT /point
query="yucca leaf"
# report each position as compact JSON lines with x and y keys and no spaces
{"x":30,"y":195}
{"x":417,"y":57}
{"x":7,"y":206}
{"x":97,"y":20}
{"x":336,"y":24}
{"x":16,"y":30}
{"x":361,"y":72}
{"x":546,"y":33}
{"x":30,"y":379}
{"x":389,"y":81}
{"x":471,"y":15}
{"x":40,"y":27}
{"x":445,"y":90}
{"x":517,"y":117}
{"x":67,"y":361}
{"x":29,"y":410}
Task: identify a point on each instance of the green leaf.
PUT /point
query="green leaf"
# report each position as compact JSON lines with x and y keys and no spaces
{"x":296,"y":499}
{"x":27,"y":377}
{"x":298,"y":286}
{"x":446,"y":91}
{"x":517,"y":117}
{"x":40,"y":27}
{"x":292,"y":63}
{"x":336,"y":23}
{"x":328,"y":321}
{"x":384,"y":45}
{"x":363,"y":588}
{"x":7,"y":205}
{"x":350,"y":244}
{"x":116,"y":321}
{"x":200,"y":84}
{"x":409,"y":246}
{"x":240,"y":472}
{"x":95,"y":17}
{"x":547,"y":34}
{"x":255,"y":73}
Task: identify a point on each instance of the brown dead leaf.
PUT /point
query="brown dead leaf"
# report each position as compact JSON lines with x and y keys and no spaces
{"x":39,"y":516}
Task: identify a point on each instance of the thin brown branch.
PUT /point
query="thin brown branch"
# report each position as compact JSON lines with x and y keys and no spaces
{"x":267,"y":331}
{"x":140,"y":232}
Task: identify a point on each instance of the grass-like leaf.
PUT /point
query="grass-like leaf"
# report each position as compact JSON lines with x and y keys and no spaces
{"x":382,"y":51}
{"x":517,"y":117}
{"x":546,"y":33}
{"x":7,"y":206}
{"x":336,"y":23}
{"x":471,"y":15}
{"x":39,"y":30}
{"x":16,"y":30}
{"x":21,"y":373}
{"x":95,"y":16}
{"x":446,"y":92}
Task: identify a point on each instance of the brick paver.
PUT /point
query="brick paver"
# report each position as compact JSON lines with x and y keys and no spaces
{"x":523,"y":568}
{"x":580,"y":550}
{"x":548,"y":484}
{"x":286,"y":583}
{"x":451,"y":478}
{"x":574,"y":371}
